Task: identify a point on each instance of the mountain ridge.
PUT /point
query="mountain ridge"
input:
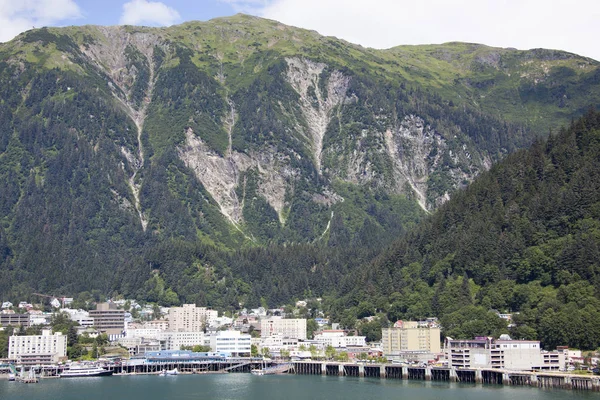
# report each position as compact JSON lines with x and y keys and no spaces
{"x":118,"y":139}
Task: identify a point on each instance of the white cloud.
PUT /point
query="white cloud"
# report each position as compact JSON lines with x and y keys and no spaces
{"x":570,"y":25}
{"x":144,"y":12}
{"x":17,"y":16}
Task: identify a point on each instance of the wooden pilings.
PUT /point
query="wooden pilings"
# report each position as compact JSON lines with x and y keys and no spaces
{"x":378,"y":371}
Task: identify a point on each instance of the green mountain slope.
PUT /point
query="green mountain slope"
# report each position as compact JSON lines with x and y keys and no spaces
{"x":523,"y":238}
{"x":239,"y":133}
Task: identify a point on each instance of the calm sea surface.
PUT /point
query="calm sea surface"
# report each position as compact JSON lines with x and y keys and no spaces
{"x":247,"y":386}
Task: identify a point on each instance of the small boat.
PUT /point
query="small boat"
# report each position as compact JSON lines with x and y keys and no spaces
{"x":80,"y":371}
{"x":30,"y":378}
{"x":12,"y":377}
{"x":168,"y":372}
{"x":273,"y":370}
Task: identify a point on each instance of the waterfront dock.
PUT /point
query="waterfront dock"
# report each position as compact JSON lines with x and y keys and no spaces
{"x":491,"y":376}
{"x":541,"y":379}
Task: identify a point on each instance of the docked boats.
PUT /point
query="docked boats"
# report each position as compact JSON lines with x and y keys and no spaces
{"x":80,"y":371}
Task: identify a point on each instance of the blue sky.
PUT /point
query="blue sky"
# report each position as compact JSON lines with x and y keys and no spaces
{"x":571,"y":25}
{"x":108,"y":12}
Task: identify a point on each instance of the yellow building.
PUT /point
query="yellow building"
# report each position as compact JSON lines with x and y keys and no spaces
{"x":411,"y":336}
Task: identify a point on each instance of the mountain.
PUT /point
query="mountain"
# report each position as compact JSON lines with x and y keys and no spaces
{"x":523,"y":238}
{"x":211,"y":140}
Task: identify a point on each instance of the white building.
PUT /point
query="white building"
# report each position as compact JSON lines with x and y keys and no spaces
{"x":292,"y":328}
{"x":522,"y":355}
{"x":175,"y":340}
{"x":221,"y":321}
{"x":338,"y":339}
{"x":39,"y":349}
{"x":82,"y":317}
{"x":168,"y":340}
{"x":160,"y":324}
{"x":190,"y":318}
{"x":231,"y":342}
{"x":276,"y":343}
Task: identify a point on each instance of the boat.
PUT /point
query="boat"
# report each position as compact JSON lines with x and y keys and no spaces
{"x":274,"y":370}
{"x":80,"y":371}
{"x":168,"y":372}
{"x":12,"y":377}
{"x":30,"y":378}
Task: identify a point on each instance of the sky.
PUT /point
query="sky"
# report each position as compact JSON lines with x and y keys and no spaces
{"x":571,"y":25}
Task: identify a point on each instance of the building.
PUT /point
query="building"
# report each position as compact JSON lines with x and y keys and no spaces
{"x":160,"y":324}
{"x":410,"y":336}
{"x":176,"y":340}
{"x":292,"y":328}
{"x":82,"y":317}
{"x":108,"y":319}
{"x":190,"y":318}
{"x":232,"y":343}
{"x":168,"y":340}
{"x":504,"y":353}
{"x":138,"y":346}
{"x":276,"y":343}
{"x":39,"y":349}
{"x":14,"y":320}
{"x":338,"y":339}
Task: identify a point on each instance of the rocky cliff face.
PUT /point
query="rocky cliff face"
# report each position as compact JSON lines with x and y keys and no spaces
{"x":254,"y":119}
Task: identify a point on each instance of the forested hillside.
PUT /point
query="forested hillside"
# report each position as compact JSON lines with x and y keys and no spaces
{"x":523,"y":238}
{"x":240,"y":160}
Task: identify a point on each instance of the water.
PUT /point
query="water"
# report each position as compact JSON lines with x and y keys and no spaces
{"x":284,"y":387}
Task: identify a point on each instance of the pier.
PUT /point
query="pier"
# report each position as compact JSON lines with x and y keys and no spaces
{"x":542,"y":379}
{"x":450,"y":374}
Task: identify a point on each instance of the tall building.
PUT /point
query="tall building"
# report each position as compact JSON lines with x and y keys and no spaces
{"x":410,"y":336}
{"x":190,"y":318}
{"x":292,"y":328}
{"x":38,"y":349}
{"x":108,"y":319}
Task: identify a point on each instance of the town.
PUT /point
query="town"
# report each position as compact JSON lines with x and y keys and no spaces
{"x":124,"y":330}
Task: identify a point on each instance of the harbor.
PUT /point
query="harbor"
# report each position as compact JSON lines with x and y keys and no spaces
{"x":216,"y":365}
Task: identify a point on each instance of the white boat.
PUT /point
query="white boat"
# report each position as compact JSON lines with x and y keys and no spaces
{"x":80,"y":371}
{"x":12,"y":377}
{"x":169,"y":372}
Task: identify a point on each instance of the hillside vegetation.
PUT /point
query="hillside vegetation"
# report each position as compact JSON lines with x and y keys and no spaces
{"x":523,"y":238}
{"x":240,"y":160}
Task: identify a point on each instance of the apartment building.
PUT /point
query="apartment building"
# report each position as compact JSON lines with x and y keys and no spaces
{"x":190,"y":318}
{"x":43,"y":349}
{"x":410,"y":336}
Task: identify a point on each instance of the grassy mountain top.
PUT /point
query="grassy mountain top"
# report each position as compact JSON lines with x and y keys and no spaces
{"x":539,"y":88}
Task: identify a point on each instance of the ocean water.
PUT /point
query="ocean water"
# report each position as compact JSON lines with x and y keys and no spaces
{"x":284,"y":387}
